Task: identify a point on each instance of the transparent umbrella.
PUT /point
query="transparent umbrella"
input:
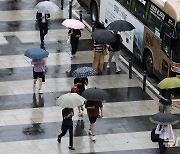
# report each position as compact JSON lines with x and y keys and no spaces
{"x":45,"y":6}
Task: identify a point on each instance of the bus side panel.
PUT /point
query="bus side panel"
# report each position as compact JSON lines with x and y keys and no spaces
{"x":111,"y":10}
{"x":160,"y":59}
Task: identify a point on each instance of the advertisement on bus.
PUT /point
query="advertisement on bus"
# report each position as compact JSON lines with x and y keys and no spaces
{"x":111,"y":10}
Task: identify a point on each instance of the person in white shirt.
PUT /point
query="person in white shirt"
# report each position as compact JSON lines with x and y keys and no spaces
{"x":165,"y":133}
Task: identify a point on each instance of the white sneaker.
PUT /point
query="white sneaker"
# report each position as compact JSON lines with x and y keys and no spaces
{"x":90,"y":133}
{"x":108,"y":65}
{"x":40,"y":91}
{"x":93,"y":138}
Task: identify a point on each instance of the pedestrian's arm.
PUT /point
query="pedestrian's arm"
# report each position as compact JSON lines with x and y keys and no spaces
{"x":160,"y":96}
{"x":69,"y":115}
{"x":101,"y":111}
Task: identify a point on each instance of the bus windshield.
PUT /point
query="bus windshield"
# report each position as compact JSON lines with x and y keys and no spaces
{"x":176,"y":50}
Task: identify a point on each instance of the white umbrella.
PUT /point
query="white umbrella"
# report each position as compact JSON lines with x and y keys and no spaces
{"x":45,"y":6}
{"x":70,"y":100}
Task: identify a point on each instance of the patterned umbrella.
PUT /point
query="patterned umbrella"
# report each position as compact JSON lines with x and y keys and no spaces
{"x":83,"y":72}
{"x":164,"y":119}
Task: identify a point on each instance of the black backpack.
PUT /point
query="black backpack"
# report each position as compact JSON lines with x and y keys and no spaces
{"x":154,"y":137}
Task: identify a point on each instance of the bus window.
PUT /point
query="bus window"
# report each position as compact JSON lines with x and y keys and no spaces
{"x":138,"y":8}
{"x":154,"y":23}
{"x":176,"y":50}
{"x":125,"y":3}
{"x":164,"y":68}
{"x":166,"y":45}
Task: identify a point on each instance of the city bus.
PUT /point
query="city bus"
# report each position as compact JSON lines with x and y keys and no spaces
{"x":155,"y":41}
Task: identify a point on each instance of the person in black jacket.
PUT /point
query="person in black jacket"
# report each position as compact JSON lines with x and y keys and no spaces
{"x":67,"y":124}
{"x":74,"y":34}
{"x":42,"y":18}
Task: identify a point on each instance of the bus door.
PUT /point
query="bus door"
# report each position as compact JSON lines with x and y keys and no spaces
{"x":166,"y":51}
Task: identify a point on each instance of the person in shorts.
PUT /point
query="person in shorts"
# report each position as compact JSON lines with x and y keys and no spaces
{"x":38,"y":72}
{"x":94,"y":109}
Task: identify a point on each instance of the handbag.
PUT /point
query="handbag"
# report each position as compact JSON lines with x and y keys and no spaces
{"x":68,"y":39}
{"x":154,"y":137}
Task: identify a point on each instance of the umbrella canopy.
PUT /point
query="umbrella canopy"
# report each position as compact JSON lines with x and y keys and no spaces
{"x":164,"y":119}
{"x":169,"y":83}
{"x":83,"y":72}
{"x":103,"y":36}
{"x":70,"y":100}
{"x":94,"y":94}
{"x":120,"y":25}
{"x":46,"y":6}
{"x":73,"y":23}
{"x":36,"y":53}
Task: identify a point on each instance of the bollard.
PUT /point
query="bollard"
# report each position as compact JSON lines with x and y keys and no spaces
{"x":144,"y":81}
{"x":130,"y":68}
{"x":70,"y":9}
{"x":80,"y":15}
{"x":62,"y":4}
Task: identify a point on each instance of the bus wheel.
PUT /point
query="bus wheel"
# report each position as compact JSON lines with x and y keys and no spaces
{"x":149,"y":64}
{"x":94,"y":12}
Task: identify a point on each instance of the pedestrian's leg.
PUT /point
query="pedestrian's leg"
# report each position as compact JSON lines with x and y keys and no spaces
{"x":41,"y":34}
{"x":71,"y":136}
{"x":168,"y":108}
{"x":117,"y":61}
{"x":45,"y":29}
{"x":95,"y":62}
{"x":40,"y":85}
{"x":64,"y":130}
{"x":92,"y":129}
{"x":162,"y":148}
{"x":34,"y":85}
{"x":110,"y":58}
{"x":161,"y":107}
{"x":76,"y":46}
{"x":101,"y":61}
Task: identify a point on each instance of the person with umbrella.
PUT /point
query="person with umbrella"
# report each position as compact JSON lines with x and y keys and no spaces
{"x":38,"y":73}
{"x":42,"y":18}
{"x":98,"y":52}
{"x":165,"y":134}
{"x":165,"y":100}
{"x":164,"y":128}
{"x":68,"y":102}
{"x":67,"y":124}
{"x":94,"y":110}
{"x":81,"y":83}
{"x":74,"y":34}
{"x":114,"y":51}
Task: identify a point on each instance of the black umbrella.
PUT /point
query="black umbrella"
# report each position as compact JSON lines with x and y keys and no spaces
{"x":103,"y":36}
{"x":94,"y":94}
{"x":164,"y":118}
{"x":120,"y":25}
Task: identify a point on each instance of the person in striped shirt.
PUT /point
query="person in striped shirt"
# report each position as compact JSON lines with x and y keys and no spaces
{"x":98,"y":62}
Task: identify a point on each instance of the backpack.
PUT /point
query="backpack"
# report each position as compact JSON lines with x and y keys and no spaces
{"x":154,"y":137}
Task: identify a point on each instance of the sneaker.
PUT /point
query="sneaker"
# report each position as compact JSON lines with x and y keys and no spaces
{"x":59,"y":140}
{"x":40,"y":91}
{"x":108,"y":65}
{"x":93,"y":138}
{"x":71,"y":148}
{"x":118,"y":71}
{"x":90,"y":133}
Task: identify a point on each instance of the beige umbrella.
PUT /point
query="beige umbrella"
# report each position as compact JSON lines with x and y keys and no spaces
{"x":70,"y":100}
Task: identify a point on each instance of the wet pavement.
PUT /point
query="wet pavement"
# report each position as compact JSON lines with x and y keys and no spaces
{"x":30,"y":122}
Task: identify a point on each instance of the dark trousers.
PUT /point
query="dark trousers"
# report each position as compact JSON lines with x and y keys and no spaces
{"x":64,"y":131}
{"x":162,"y":148}
{"x":74,"y":45}
{"x":43,"y":30}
